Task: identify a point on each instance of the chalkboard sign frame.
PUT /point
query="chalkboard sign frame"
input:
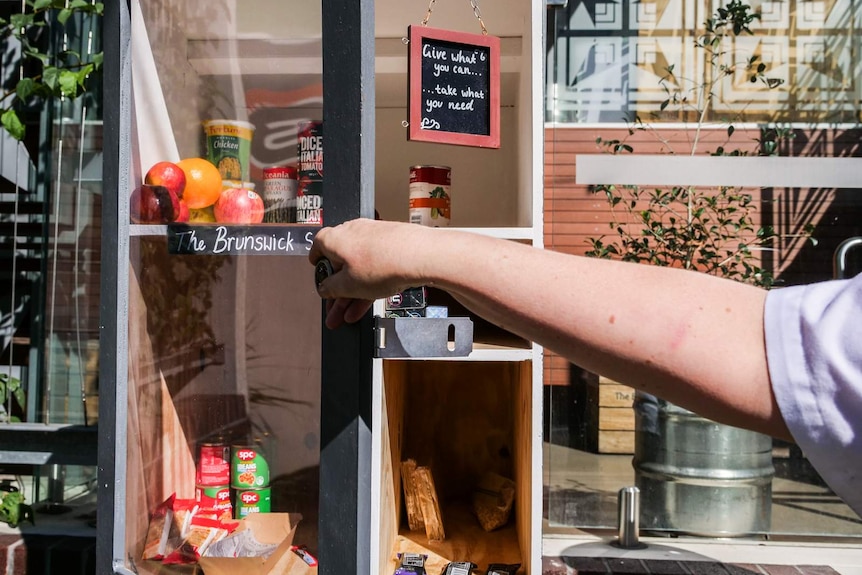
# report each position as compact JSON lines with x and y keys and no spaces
{"x":416,"y":35}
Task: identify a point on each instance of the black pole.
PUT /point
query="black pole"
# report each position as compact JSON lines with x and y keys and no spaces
{"x":113,"y":331}
{"x":348,"y":191}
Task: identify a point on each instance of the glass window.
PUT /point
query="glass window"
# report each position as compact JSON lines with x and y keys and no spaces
{"x":668,"y":78}
{"x":224,"y":330}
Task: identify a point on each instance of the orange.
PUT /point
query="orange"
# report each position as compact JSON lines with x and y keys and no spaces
{"x":203,"y":182}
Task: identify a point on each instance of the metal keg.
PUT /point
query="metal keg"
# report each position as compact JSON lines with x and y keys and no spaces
{"x":700,"y":477}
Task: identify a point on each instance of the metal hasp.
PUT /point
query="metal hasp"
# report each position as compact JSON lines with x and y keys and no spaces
{"x":628,"y":513}
{"x":423,"y":337}
{"x":839,"y":263}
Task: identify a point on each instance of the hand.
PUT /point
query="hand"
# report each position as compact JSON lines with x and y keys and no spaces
{"x":371,"y":260}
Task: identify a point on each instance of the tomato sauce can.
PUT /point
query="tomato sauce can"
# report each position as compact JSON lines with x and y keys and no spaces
{"x":430,"y":202}
{"x":309,"y":202}
{"x":249,"y":468}
{"x":248,"y":501}
{"x":214,"y":497}
{"x":310,"y":150}
{"x":213,"y":467}
{"x":279,"y":194}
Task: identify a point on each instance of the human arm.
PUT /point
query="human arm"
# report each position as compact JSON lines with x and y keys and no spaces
{"x":690,"y":338}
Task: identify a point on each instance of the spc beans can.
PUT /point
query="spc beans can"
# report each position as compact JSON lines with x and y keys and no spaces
{"x":213,"y":466}
{"x":248,"y":501}
{"x":430,"y":202}
{"x":279,"y":194}
{"x":214,"y":497}
{"x":249,"y":467}
{"x":310,"y":151}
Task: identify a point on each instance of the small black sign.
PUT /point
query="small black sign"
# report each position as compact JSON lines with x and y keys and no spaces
{"x":454,"y":87}
{"x":221,"y":239}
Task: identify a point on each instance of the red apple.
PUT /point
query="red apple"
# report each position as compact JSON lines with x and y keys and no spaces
{"x":153,"y":205}
{"x":238,"y":206}
{"x":184,"y":213}
{"x":169,"y":175}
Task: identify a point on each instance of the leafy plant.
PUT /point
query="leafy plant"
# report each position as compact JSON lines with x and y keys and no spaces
{"x":11,"y":389}
{"x":707,"y":229}
{"x":63,"y":74}
{"x":13,"y":510}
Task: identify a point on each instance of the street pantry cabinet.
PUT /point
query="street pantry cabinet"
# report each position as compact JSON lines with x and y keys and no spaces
{"x":229,"y":347}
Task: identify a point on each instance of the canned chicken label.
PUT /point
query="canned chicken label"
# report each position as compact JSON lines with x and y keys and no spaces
{"x":248,"y":501}
{"x":310,"y":150}
{"x":309,"y":202}
{"x":279,"y":194}
{"x":213,"y":466}
{"x":229,"y":147}
{"x":430,"y":203}
{"x":248,"y":467}
{"x":214,"y":497}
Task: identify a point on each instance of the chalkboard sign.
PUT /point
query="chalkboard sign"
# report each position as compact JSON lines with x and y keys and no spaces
{"x":263,"y":240}
{"x":454,"y":95}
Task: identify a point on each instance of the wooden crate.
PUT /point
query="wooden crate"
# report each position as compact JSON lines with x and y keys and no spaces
{"x":461,"y":420}
{"x":615,"y":424}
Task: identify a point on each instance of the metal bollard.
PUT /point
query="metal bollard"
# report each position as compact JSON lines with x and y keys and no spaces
{"x":628,"y":512}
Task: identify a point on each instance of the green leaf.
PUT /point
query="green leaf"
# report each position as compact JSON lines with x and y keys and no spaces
{"x":68,"y":83}
{"x":64,"y":15}
{"x":25,"y":88}
{"x":12,"y":124}
{"x":51,"y":78}
{"x":19,"y":21}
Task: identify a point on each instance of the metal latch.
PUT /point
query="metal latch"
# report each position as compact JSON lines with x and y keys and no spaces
{"x":423,"y":337}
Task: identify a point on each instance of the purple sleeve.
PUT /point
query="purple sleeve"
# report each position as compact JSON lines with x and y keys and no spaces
{"x":814,"y":350}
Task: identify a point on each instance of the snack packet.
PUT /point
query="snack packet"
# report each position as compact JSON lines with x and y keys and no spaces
{"x":204,"y":532}
{"x":502,"y":569}
{"x":303,"y":553}
{"x":459,"y":568}
{"x":411,"y":564}
{"x":156,"y":542}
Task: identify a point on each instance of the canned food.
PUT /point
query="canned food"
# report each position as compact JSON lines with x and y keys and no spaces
{"x":214,"y":497}
{"x":430,"y":203}
{"x":279,"y":194}
{"x":310,"y":150}
{"x":229,"y":147}
{"x":213,"y":466}
{"x":309,"y":202}
{"x":248,"y":501}
{"x":248,"y":467}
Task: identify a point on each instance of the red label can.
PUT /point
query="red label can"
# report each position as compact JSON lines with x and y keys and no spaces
{"x":213,"y":466}
{"x":214,"y":497}
{"x":430,"y":203}
{"x":279,"y":194}
{"x":310,"y":150}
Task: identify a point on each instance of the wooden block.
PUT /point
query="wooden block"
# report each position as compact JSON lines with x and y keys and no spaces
{"x":622,"y":442}
{"x":411,"y":500}
{"x":616,"y":395}
{"x":616,"y":419}
{"x":429,"y":504}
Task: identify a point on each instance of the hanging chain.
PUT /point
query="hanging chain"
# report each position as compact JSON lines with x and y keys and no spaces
{"x":476,"y":12}
{"x":428,"y":15}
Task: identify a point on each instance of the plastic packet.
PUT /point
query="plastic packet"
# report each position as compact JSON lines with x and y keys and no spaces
{"x":411,"y":564}
{"x":502,"y":569}
{"x":459,"y":568}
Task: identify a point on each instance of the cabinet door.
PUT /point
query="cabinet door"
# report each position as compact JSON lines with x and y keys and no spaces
{"x":228,"y":394}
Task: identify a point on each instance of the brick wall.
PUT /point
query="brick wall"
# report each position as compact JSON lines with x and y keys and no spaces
{"x":572,"y":214}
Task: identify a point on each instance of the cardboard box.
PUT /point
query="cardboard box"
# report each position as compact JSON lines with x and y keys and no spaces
{"x":271,"y":528}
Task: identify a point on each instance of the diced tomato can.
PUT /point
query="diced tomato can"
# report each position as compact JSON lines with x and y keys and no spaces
{"x":214,"y":497}
{"x":279,"y":194}
{"x":309,"y":202}
{"x":430,"y":202}
{"x":213,"y":466}
{"x":249,"y":468}
{"x":310,"y":150}
{"x":248,"y":501}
